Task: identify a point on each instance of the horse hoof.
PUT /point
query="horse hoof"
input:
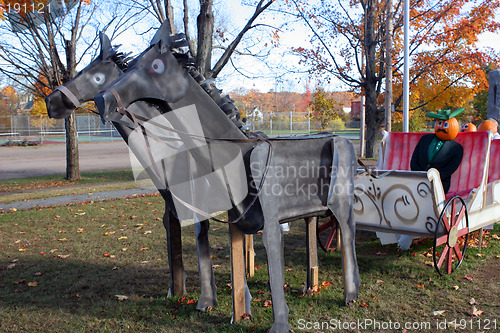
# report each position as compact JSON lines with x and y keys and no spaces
{"x":351,"y":298}
{"x":280,"y":328}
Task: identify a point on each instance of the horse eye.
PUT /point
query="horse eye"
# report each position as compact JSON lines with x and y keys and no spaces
{"x":446,"y":124}
{"x":99,"y":78}
{"x":158,"y":66}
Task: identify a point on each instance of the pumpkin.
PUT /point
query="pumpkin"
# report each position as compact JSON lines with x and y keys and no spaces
{"x":446,"y":129}
{"x":468,"y":127}
{"x":489,"y":125}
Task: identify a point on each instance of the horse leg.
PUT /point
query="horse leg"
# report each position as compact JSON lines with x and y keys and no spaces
{"x":271,"y":238}
{"x":174,"y":246}
{"x":208,"y":292}
{"x":340,"y":202}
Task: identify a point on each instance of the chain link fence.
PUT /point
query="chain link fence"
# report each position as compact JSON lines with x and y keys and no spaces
{"x":41,"y":129}
{"x":297,"y":123}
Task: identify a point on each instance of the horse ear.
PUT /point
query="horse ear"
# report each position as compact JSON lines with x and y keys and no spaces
{"x":106,"y":48}
{"x":162,"y":37}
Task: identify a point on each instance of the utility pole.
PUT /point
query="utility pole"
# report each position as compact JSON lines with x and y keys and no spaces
{"x":388,"y":67}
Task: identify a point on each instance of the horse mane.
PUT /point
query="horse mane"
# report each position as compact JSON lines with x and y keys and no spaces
{"x":121,"y":60}
{"x":181,"y":52}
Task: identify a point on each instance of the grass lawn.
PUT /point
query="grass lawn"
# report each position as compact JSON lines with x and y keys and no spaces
{"x":62,"y":267}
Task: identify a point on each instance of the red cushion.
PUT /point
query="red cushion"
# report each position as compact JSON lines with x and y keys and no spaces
{"x":494,"y":170}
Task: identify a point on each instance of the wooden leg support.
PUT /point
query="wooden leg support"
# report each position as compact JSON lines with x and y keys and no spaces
{"x":312,"y":254}
{"x":237,"y":272}
{"x":249,"y":256}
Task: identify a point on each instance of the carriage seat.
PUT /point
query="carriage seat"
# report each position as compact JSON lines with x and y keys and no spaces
{"x":397,"y":149}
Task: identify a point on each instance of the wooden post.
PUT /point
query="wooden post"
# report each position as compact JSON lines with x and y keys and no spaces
{"x":480,"y":240}
{"x":312,"y":254}
{"x":339,"y":238}
{"x":249,"y":256}
{"x":237,"y":272}
{"x":175,"y":250}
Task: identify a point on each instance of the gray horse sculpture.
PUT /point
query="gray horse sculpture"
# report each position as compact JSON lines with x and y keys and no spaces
{"x":196,"y":151}
{"x":103,"y":70}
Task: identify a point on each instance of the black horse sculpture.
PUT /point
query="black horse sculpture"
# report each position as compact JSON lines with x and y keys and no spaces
{"x":103,"y":70}
{"x":281,"y":179}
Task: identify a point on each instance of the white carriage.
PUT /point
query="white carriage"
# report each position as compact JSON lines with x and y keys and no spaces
{"x":398,"y":203}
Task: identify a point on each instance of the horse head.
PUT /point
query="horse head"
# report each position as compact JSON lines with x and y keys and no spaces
{"x":156,"y":76}
{"x":103,"y":70}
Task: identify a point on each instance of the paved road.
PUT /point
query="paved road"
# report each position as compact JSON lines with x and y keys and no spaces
{"x":49,"y":159}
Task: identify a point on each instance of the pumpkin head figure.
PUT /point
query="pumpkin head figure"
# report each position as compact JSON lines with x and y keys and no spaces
{"x":468,"y":127}
{"x":446,"y":127}
{"x":489,"y":125}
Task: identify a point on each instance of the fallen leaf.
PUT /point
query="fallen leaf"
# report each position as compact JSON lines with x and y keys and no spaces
{"x":495,"y":236}
{"x":63,"y":256}
{"x":121,"y":297}
{"x":62,"y":239}
{"x":472,"y":301}
{"x":420,"y":285}
{"x":33,"y":284}
{"x":363,"y":304}
{"x":217,"y":247}
{"x":246,"y":316}
{"x":268,"y":303}
{"x":122,"y":237}
{"x":19,"y":281}
{"x":191,"y":301}
{"x":379,"y":281}
{"x":80,"y":230}
{"x":144,"y":249}
{"x":475,"y":312}
{"x":38,"y":273}
{"x":13,"y":209}
{"x":147,"y":232}
{"x":469,"y":277}
{"x":22,"y":250}
{"x":455,"y":287}
{"x":11,"y":266}
{"x":479,"y":254}
{"x":438,"y":313}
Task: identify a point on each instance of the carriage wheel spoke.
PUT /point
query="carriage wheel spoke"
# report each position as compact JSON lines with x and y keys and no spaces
{"x":452,"y":215}
{"x":458,"y":252}
{"x":460,"y":215}
{"x":450,"y":257}
{"x":330,"y":238}
{"x":463,"y":232}
{"x":446,"y":223}
{"x":325,"y":225}
{"x":443,"y":256}
{"x":441,"y":240}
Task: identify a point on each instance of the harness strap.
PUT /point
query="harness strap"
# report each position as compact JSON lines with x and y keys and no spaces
{"x":124,"y":111}
{"x":369,"y":171}
{"x":66,"y":92}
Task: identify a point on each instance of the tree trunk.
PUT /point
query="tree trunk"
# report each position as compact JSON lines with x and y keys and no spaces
{"x":372,"y":123}
{"x":72,"y":159}
{"x":205,"y":24}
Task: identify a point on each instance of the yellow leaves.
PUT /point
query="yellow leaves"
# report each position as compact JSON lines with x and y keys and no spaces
{"x":33,"y":284}
{"x":62,"y":240}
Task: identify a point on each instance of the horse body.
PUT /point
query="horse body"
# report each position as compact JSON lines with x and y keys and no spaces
{"x":271,"y":195}
{"x":102,"y":71}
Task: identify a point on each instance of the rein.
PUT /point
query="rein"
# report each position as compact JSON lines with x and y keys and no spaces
{"x":124,"y":111}
{"x":369,"y":171}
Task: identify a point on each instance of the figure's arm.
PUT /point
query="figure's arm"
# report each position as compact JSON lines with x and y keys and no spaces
{"x":416,"y":164}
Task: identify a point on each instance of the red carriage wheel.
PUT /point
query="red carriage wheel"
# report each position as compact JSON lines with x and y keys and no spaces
{"x":326,"y":233}
{"x":449,"y":251}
